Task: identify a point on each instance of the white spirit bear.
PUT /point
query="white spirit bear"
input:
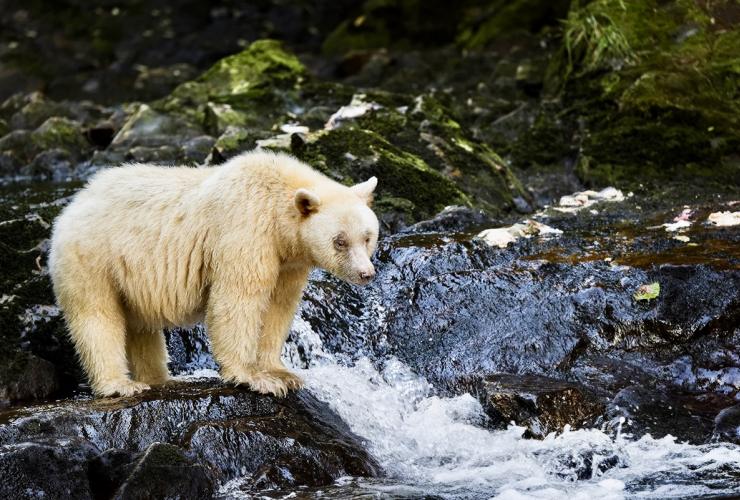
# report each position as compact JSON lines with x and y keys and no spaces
{"x":143,"y":247}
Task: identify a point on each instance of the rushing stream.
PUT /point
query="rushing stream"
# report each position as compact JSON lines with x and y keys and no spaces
{"x":432,"y":447}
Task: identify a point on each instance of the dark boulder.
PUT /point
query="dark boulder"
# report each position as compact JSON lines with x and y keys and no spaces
{"x":542,"y":405}
{"x":176,"y":441}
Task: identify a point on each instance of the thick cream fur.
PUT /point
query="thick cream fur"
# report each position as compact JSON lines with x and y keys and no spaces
{"x":143,"y":247}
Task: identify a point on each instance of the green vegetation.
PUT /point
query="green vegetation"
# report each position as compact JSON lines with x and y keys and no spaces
{"x":593,"y":40}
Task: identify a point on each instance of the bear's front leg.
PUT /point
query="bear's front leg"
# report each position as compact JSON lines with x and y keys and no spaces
{"x":276,"y":323}
{"x":236,"y":304}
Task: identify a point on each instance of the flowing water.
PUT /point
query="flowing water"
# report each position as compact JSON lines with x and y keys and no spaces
{"x":432,"y":447}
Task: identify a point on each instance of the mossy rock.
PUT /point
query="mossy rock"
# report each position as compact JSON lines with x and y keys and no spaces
{"x":630,"y":150}
{"x":668,"y":112}
{"x":60,"y":133}
{"x":664,"y":90}
{"x":352,"y":156}
{"x":218,"y":117}
{"x":429,"y":130}
{"x":243,"y":81}
{"x":148,"y":127}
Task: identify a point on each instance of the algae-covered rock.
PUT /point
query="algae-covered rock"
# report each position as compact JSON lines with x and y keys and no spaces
{"x":352,"y":156}
{"x":60,"y":133}
{"x":651,"y":91}
{"x":246,"y":81}
{"x":147,"y":127}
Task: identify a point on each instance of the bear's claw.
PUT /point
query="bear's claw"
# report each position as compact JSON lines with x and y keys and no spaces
{"x":122,"y":388}
{"x":277,"y":382}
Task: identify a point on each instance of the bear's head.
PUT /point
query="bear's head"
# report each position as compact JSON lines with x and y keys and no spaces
{"x":338,"y":229}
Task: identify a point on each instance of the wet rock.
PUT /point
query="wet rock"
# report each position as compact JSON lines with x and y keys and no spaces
{"x":214,"y":432}
{"x":55,"y":164}
{"x":727,"y":425}
{"x":47,"y":469}
{"x":60,"y":133}
{"x":640,"y":411}
{"x":189,"y":350}
{"x":27,"y":377}
{"x":453,"y":219}
{"x":163,"y":471}
{"x":196,"y":150}
{"x":17,"y":150}
{"x":233,"y":141}
{"x":219,"y":117}
{"x":583,"y":459}
{"x":156,"y":155}
{"x":146,"y":127}
{"x":561,"y":307}
{"x":542,"y":405}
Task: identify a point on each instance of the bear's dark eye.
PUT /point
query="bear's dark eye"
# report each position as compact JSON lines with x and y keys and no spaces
{"x":340,"y":244}
{"x":367,"y":240}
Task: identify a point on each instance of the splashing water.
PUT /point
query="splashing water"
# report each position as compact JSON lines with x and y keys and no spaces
{"x":430,"y":446}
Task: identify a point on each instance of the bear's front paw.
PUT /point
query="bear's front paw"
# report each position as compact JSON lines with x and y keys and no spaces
{"x":291,"y":380}
{"x":121,"y":388}
{"x":261,"y":381}
{"x":268,"y":383}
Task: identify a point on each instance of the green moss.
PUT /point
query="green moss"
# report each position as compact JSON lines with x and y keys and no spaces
{"x":546,"y":143}
{"x":632,"y":149}
{"x":242,"y":81}
{"x":669,"y":113}
{"x":354,"y":155}
{"x":60,"y":133}
{"x":218,"y":117}
{"x":662,"y":90}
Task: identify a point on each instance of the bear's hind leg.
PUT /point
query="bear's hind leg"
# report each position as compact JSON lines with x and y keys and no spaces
{"x":146,"y":351}
{"x":97,"y":327}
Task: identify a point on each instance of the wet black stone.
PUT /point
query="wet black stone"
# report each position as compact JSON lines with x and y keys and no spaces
{"x":56,"y":470}
{"x":176,"y":441}
{"x":453,"y":219}
{"x":163,"y":471}
{"x":647,"y":411}
{"x":542,"y":405}
{"x":109,"y":470}
{"x":727,"y":425}
{"x":27,"y":377}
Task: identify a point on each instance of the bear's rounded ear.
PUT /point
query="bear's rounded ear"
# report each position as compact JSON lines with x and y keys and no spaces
{"x":306,"y":202}
{"x":365,"y":190}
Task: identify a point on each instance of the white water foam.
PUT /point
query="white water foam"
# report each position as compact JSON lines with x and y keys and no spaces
{"x":434,"y":446}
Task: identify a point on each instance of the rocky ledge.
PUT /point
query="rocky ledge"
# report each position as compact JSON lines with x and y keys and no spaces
{"x":178,"y":441}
